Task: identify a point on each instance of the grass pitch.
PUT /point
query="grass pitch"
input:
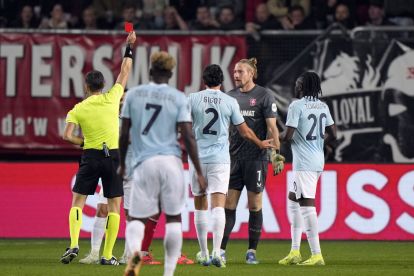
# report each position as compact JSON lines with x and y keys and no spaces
{"x":41,"y":257}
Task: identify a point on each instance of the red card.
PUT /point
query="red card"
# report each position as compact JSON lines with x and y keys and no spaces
{"x":129,"y":27}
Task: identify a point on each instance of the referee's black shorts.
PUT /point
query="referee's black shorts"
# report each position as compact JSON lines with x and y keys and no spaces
{"x":95,"y":165}
{"x":249,"y":173}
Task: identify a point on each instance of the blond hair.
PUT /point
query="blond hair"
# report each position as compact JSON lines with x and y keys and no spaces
{"x":252,"y":62}
{"x":162,"y":61}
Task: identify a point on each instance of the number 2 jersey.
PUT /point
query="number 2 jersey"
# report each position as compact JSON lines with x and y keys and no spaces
{"x":309,"y":116}
{"x":212,"y":112}
{"x":154,"y":111}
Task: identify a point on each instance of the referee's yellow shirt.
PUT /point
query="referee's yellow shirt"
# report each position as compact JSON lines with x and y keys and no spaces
{"x":98,"y":117}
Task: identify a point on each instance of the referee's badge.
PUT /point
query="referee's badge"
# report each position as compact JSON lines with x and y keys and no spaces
{"x":252,"y":102}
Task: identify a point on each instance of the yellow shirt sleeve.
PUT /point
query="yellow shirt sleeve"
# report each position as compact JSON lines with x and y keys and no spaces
{"x":115,"y":93}
{"x":71,"y":116}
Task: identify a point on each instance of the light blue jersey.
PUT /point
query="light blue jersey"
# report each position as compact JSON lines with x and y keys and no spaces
{"x":212,"y":112}
{"x":309,"y":117}
{"x":155,"y":110}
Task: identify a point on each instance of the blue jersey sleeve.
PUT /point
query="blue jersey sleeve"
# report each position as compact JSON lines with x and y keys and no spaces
{"x":184,"y":110}
{"x":293,"y":115}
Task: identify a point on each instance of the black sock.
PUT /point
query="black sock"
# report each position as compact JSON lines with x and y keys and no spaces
{"x":255,"y":228}
{"x":230,"y":220}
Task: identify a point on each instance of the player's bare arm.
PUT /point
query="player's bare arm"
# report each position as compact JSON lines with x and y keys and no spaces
{"x":68,"y":134}
{"x":331,"y":131}
{"x":273,"y":131}
{"x":248,"y":134}
{"x":123,"y":144}
{"x":191,"y":147}
{"x":127,"y":61}
{"x":287,"y":135}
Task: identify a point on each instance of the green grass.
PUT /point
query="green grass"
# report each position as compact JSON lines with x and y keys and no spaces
{"x":41,"y":257}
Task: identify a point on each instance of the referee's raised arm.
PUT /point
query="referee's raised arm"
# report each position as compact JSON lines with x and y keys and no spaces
{"x":127,"y":61}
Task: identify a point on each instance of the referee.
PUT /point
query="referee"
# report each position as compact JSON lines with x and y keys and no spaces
{"x":98,"y":118}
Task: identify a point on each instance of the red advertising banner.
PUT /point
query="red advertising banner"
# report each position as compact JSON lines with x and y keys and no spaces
{"x":357,"y":202}
{"x":42,"y":76}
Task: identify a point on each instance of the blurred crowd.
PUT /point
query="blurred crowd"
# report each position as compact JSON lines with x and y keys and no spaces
{"x":250,"y":15}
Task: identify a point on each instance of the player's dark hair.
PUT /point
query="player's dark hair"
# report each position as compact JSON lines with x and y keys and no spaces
{"x":213,"y":75}
{"x":95,"y":81}
{"x":311,"y":84}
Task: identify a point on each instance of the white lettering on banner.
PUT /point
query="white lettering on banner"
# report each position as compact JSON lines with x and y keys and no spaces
{"x":40,"y":126}
{"x":328,"y":199}
{"x":355,"y":110}
{"x":41,"y":70}
{"x":73,"y":59}
{"x":196,"y":62}
{"x":224,"y":62}
{"x":102,"y":53}
{"x":11,"y":52}
{"x":406,"y":192}
{"x":139,"y":73}
{"x":379,"y":207}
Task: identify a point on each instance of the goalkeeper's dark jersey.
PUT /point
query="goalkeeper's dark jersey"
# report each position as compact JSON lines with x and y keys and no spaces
{"x":255,"y":105}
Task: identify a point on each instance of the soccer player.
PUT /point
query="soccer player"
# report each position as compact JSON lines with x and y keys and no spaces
{"x":97,"y":116}
{"x":307,"y":120}
{"x":248,"y":162}
{"x":154,"y":112}
{"x":212,"y":112}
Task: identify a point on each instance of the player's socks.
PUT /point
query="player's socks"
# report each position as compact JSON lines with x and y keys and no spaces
{"x":173,"y":242}
{"x":75,"y":223}
{"x":97,"y":234}
{"x":112,"y":227}
{"x":296,"y":226}
{"x":125,"y":256}
{"x":201,"y":225}
{"x":230,"y":221}
{"x":219,"y":222}
{"x":310,"y":223}
{"x":150,"y":227}
{"x":134,"y":234}
{"x":255,"y":228}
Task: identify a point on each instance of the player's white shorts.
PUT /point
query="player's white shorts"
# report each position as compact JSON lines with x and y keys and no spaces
{"x":304,"y":184}
{"x":216,"y":175}
{"x":158,"y":182}
{"x":127,"y":192}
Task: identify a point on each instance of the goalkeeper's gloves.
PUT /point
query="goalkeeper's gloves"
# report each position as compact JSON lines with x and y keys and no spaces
{"x":278,"y":162}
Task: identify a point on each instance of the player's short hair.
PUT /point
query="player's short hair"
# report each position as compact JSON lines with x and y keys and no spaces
{"x":162,"y":63}
{"x":252,"y":62}
{"x":311,"y":84}
{"x":213,"y":75}
{"x":95,"y":81}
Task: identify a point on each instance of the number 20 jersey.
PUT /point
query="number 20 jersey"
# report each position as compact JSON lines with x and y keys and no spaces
{"x":154,"y":111}
{"x":310,"y":117}
{"x":212,"y":112}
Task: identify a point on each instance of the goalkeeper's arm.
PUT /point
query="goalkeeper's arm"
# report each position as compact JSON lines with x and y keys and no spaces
{"x":248,"y":134}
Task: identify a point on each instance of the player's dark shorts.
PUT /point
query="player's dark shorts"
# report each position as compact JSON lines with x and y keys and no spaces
{"x":249,"y":173}
{"x":95,"y":165}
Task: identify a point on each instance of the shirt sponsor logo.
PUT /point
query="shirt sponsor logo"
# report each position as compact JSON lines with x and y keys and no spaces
{"x":252,"y":102}
{"x":274,"y":108}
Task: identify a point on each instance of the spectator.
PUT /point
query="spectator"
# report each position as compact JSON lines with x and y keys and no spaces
{"x":298,"y":19}
{"x":57,"y":19}
{"x":204,"y":21}
{"x":88,"y":21}
{"x":280,"y":8}
{"x":376,"y":15}
{"x":26,"y":19}
{"x":263,"y":21}
{"x":129,"y":14}
{"x":251,"y":7}
{"x":186,"y":8}
{"x":153,"y":11}
{"x":228,"y":21}
{"x":173,"y":21}
{"x":342,"y":15}
{"x":108,"y":12}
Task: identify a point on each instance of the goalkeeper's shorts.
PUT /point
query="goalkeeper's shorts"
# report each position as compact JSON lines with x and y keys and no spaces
{"x":249,"y":173}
